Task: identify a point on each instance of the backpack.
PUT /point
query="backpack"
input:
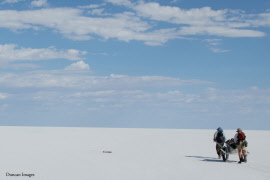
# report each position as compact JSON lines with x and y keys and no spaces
{"x":241,"y":136}
{"x":220,"y":137}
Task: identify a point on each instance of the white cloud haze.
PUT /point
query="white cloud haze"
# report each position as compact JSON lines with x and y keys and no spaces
{"x":62,"y":79}
{"x":39,"y":3}
{"x":214,"y":102}
{"x":211,"y":96}
{"x":137,"y":23}
{"x":12,"y":53}
{"x":3,"y":95}
{"x":78,"y":66}
{"x":121,"y":2}
{"x":11,"y":1}
{"x":121,"y":91}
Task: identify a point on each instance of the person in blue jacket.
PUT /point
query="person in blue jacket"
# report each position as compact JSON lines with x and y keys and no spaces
{"x":219,"y":138}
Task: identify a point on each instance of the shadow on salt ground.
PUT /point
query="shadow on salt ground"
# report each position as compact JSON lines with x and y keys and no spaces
{"x":210,"y":159}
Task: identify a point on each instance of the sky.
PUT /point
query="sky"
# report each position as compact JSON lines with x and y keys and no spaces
{"x":184,"y":64}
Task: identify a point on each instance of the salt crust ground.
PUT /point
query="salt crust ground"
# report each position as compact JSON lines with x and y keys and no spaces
{"x":54,"y":153}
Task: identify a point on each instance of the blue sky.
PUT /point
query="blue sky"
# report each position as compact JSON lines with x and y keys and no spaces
{"x":147,"y":64}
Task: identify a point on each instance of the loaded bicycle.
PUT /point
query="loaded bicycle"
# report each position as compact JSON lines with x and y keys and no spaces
{"x":229,"y":147}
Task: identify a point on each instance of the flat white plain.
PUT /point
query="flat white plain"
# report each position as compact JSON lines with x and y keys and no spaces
{"x":61,"y":153}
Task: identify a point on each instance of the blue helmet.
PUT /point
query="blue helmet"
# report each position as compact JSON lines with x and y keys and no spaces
{"x":220,"y":129}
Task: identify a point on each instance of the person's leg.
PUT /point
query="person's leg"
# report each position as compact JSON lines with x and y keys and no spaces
{"x":240,"y":154}
{"x":241,"y":148}
{"x":218,"y":150}
{"x":245,"y":155}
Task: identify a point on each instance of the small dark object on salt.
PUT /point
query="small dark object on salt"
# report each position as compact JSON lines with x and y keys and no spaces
{"x":107,"y":151}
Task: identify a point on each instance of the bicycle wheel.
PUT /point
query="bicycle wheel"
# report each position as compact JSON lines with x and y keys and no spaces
{"x":225,"y":154}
